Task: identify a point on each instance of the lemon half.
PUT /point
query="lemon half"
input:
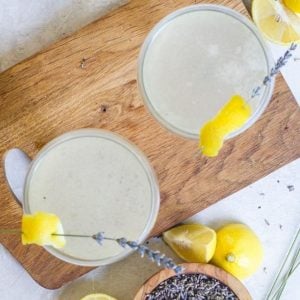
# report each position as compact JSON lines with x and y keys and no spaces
{"x":192,"y":242}
{"x":278,"y":23}
{"x":98,"y":297}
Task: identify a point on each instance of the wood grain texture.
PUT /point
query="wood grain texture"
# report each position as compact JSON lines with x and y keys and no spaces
{"x":57,"y":91}
{"x":233,"y":283}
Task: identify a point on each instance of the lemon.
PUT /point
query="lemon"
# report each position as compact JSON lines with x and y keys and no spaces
{"x":231,"y":117}
{"x":39,"y":229}
{"x":192,"y":242}
{"x":98,"y":297}
{"x":238,"y":250}
{"x":293,"y":5}
{"x":277,"y":22}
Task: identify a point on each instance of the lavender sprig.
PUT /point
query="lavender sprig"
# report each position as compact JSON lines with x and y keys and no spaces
{"x":99,"y":237}
{"x":143,"y":250}
{"x":282,"y":61}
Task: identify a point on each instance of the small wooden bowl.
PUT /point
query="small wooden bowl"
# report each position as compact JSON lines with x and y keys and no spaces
{"x":233,"y":283}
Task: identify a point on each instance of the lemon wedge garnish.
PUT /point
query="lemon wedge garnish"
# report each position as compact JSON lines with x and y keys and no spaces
{"x":192,"y":242}
{"x":238,"y":250}
{"x":231,"y":117}
{"x":39,"y":229}
{"x":278,"y":23}
{"x":98,"y":297}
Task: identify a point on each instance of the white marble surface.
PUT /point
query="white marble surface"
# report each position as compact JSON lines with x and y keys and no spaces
{"x":27,"y":26}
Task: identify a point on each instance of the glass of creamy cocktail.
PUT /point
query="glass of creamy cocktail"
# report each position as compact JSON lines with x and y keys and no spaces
{"x":94,"y":181}
{"x":194,"y":60}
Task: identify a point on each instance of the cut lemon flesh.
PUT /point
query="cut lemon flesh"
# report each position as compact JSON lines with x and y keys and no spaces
{"x":278,"y":23}
{"x":98,"y":297}
{"x":192,"y":242}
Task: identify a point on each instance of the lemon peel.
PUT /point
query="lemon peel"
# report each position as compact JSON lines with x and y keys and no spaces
{"x":293,"y":5}
{"x":231,"y":117}
{"x":39,"y":229}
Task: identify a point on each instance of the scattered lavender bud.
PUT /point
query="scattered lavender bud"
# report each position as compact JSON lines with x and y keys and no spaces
{"x":291,"y":188}
{"x":267,"y":222}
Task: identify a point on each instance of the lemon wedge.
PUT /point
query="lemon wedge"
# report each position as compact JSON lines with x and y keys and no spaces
{"x":98,"y":297}
{"x":231,"y":117}
{"x":278,"y":23}
{"x":39,"y":229}
{"x":238,"y":250}
{"x":192,"y":242}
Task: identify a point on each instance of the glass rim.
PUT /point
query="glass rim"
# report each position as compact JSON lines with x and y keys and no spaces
{"x":145,"y":164}
{"x":268,"y":91}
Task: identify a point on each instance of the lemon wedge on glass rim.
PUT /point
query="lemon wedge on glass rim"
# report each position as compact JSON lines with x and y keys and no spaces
{"x":192,"y":242}
{"x":98,"y":297}
{"x":277,"y":22}
{"x":39,"y":228}
{"x":232,"y":116}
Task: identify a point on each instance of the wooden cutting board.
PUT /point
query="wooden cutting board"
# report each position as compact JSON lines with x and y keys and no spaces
{"x":89,"y":80}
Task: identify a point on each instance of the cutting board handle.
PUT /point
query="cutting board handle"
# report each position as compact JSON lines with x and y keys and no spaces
{"x":16,"y":166}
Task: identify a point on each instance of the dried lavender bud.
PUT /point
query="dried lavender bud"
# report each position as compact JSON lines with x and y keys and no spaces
{"x":256,"y":92}
{"x":155,"y":256}
{"x":99,"y":237}
{"x":191,"y":286}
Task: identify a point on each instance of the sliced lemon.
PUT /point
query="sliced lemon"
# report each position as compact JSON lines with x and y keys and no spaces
{"x":293,"y":5}
{"x":278,"y":23}
{"x":192,"y":242}
{"x":238,"y":250}
{"x":98,"y":297}
{"x":39,"y":229}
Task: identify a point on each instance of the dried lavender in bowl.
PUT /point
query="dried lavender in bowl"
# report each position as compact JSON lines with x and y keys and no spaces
{"x":191,"y":287}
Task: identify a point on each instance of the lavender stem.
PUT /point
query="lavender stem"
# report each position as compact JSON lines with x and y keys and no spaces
{"x":143,"y":250}
{"x":281,"y":62}
{"x":99,"y":237}
{"x":155,"y":256}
